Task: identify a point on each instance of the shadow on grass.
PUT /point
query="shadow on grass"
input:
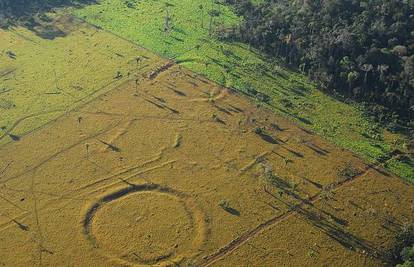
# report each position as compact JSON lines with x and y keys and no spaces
{"x":232,"y":211}
{"x":330,"y":224}
{"x":21,"y":12}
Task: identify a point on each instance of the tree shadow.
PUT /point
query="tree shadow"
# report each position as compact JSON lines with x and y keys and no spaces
{"x":232,"y":211}
{"x":267,"y":138}
{"x":330,"y":224}
{"x":334,"y":230}
{"x":21,"y":12}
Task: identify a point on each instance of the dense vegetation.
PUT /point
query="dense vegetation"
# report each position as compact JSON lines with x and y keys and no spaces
{"x":404,"y":249}
{"x":361,"y":49}
{"x":14,"y":11}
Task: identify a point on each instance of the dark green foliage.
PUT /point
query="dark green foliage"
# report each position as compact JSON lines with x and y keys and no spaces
{"x":349,"y":172}
{"x":407,"y":253}
{"x":403,"y":253}
{"x":14,"y":11}
{"x":361,"y":49}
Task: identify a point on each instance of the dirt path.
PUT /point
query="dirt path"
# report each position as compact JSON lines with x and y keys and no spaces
{"x":238,"y":242}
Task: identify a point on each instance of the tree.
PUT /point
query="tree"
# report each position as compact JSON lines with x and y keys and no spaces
{"x":361,"y":49}
{"x":213,"y":14}
{"x":201,"y":8}
{"x":167,"y":18}
{"x":366,"y":68}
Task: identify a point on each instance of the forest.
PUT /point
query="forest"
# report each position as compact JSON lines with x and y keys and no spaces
{"x":362,"y":50}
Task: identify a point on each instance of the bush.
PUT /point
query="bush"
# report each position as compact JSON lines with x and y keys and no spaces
{"x":404,"y":249}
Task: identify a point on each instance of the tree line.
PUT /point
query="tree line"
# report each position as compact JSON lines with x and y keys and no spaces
{"x":361,"y":49}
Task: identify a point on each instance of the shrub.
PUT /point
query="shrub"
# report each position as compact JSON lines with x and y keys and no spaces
{"x":403,"y":252}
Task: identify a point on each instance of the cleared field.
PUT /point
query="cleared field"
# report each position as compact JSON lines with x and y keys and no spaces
{"x":171,"y":169}
{"x":350,"y":228}
{"x":234,"y":65}
{"x":59,"y":63}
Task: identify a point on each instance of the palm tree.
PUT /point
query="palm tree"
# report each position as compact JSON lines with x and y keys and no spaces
{"x":213,"y":13}
{"x":201,"y":8}
{"x":167,"y":18}
{"x":366,"y":68}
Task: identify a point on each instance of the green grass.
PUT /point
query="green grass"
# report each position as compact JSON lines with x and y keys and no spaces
{"x":46,"y":78}
{"x":235,"y":65}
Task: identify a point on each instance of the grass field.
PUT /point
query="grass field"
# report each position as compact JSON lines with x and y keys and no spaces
{"x":176,"y":170}
{"x":42,"y":78}
{"x":113,"y":155}
{"x":235,"y":65}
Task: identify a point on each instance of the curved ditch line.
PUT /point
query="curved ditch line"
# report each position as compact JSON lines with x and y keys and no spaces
{"x":126,"y":180}
{"x":200,"y":76}
{"x":155,"y":53}
{"x":66,"y":195}
{"x":192,"y":210}
{"x":155,"y":73}
{"x":65,"y":111}
{"x":241,"y":240}
{"x":17,"y":122}
{"x":58,"y":153}
{"x":74,"y":108}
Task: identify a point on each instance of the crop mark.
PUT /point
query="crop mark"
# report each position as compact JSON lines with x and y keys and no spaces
{"x":39,"y":235}
{"x":15,"y":221}
{"x":53,"y":156}
{"x":129,"y":177}
{"x":162,"y":105}
{"x":7,"y":72}
{"x":293,"y":210}
{"x":43,"y":193}
{"x":255,"y":161}
{"x":316,"y":149}
{"x":155,"y":73}
{"x":17,"y":122}
{"x":86,"y":99}
{"x":198,"y":225}
{"x":78,"y":196}
{"x":5,"y":168}
{"x":177,"y":92}
{"x":11,"y":203}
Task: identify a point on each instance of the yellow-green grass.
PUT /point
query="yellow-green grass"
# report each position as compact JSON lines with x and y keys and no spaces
{"x":40,"y":79}
{"x":236,"y":65}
